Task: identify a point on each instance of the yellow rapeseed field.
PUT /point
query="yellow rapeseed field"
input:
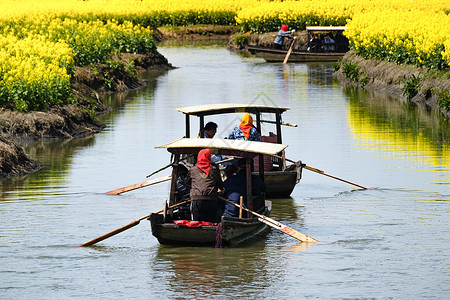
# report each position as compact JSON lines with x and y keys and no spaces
{"x":42,"y":40}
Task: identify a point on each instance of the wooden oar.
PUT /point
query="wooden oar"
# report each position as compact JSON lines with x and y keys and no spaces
{"x":323,"y":173}
{"x":169,"y":165}
{"x":282,"y":123}
{"x":289,"y":52}
{"x":138,"y":185}
{"x":125,"y":227}
{"x":277,"y":225}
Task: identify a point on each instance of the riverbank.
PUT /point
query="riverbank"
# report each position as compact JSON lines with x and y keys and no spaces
{"x":417,"y":85}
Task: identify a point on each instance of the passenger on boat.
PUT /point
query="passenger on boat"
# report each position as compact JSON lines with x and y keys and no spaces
{"x":182,"y":192}
{"x":208,"y":133}
{"x":245,"y":130}
{"x":279,"y":39}
{"x":205,"y":182}
{"x":210,"y":130}
{"x":314,"y":44}
{"x":236,"y":186}
{"x":328,"y":44}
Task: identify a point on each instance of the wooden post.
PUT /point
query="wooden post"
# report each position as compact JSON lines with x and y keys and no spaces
{"x":241,"y":200}
{"x":188,"y":129}
{"x":165,"y":210}
{"x":283,"y":155}
{"x":279,"y":139}
{"x":258,"y":122}
{"x":202,"y":127}
{"x":278,"y":121}
{"x":173,"y":183}
{"x":248,"y":169}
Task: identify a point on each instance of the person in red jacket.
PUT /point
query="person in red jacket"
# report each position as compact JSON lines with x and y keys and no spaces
{"x":205,"y":182}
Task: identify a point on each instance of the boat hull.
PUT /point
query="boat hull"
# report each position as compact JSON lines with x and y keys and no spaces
{"x":233,"y":230}
{"x":280,"y":184}
{"x":274,"y":55}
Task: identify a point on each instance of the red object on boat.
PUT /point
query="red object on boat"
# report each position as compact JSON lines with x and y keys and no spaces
{"x":193,"y":223}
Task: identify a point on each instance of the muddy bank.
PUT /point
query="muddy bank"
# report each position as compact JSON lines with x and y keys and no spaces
{"x":14,"y":161}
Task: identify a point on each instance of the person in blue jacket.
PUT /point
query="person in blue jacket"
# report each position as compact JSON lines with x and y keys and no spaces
{"x":236,"y":186}
{"x":279,"y":39}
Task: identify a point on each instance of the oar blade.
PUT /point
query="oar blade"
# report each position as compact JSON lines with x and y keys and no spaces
{"x":288,"y":230}
{"x":138,"y":185}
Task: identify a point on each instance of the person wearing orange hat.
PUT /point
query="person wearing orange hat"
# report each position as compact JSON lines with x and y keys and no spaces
{"x":206,"y":183}
{"x":245,"y":130}
{"x":279,"y":39}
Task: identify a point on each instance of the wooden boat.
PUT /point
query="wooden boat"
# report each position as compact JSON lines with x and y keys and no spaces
{"x":233,"y":230}
{"x":279,"y":178}
{"x":315,"y":51}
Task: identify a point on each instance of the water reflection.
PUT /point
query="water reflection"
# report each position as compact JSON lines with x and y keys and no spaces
{"x":55,"y":157}
{"x":118,"y":101}
{"x":381,"y":123}
{"x":201,"y":273}
{"x":320,"y":74}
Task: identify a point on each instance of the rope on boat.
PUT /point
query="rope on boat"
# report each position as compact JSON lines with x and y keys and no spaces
{"x":219,"y":236}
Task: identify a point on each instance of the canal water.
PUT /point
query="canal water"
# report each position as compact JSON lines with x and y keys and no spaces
{"x":388,"y":242}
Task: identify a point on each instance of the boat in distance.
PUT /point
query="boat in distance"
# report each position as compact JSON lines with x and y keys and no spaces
{"x":316,"y":50}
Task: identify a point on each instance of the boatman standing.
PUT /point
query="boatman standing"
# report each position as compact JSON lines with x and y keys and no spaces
{"x":279,"y":39}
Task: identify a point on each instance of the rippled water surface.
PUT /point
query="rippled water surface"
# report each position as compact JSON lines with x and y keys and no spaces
{"x":388,"y":242}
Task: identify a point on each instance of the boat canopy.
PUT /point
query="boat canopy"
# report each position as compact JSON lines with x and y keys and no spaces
{"x":224,"y":108}
{"x":247,"y":149}
{"x":319,"y":29}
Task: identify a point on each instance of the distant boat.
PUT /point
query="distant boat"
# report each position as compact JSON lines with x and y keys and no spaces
{"x":280,"y":178}
{"x":316,"y":49}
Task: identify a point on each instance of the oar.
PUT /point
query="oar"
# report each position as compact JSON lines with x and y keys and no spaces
{"x":323,"y":173}
{"x":282,"y":123}
{"x":125,"y":227}
{"x":138,"y":185}
{"x":277,"y":225}
{"x":169,"y":165}
{"x":289,"y":51}
{"x":152,"y":181}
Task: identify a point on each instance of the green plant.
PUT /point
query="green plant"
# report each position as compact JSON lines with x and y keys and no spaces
{"x":363,"y":79}
{"x":411,"y":85}
{"x":337,"y":65}
{"x":131,"y":69}
{"x":241,"y":40}
{"x":351,"y":71}
{"x":108,"y":82}
{"x":444,"y":99}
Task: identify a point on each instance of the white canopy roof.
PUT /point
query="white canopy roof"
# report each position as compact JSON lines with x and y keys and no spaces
{"x":190,"y":145}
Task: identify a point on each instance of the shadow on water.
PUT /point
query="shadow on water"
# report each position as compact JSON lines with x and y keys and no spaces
{"x":118,"y":101}
{"x":55,"y":157}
